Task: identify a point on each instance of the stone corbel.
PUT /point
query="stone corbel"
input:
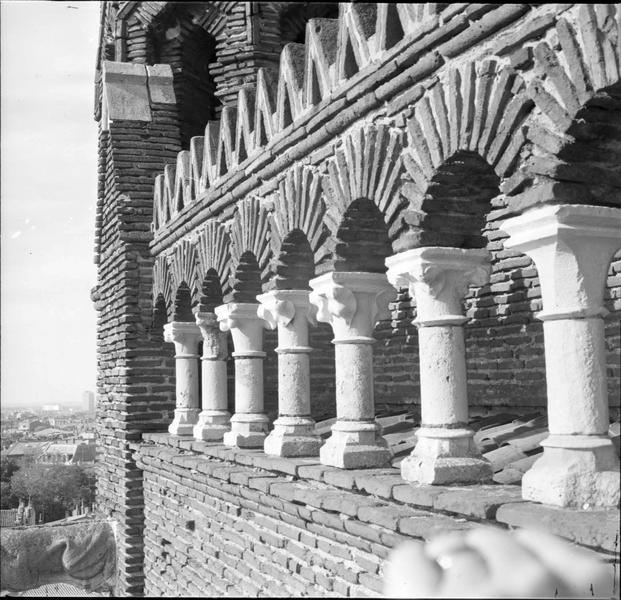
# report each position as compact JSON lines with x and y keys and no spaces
{"x":125,"y":94}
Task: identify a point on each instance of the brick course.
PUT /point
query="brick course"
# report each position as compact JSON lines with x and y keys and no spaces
{"x":243,"y":527}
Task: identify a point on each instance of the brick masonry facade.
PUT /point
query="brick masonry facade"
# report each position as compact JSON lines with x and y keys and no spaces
{"x":409,"y":65}
{"x":222,"y":522}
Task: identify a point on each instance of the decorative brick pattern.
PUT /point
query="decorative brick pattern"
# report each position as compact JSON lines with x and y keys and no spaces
{"x":398,"y":105}
{"x":238,"y":522}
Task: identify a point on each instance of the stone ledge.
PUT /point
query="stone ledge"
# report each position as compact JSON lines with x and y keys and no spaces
{"x":595,"y":529}
{"x":305,"y":481}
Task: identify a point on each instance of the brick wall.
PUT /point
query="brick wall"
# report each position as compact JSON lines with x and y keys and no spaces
{"x":135,"y":384}
{"x":228,"y":522}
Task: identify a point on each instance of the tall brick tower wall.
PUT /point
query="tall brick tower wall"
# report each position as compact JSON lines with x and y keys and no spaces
{"x":212,"y":106}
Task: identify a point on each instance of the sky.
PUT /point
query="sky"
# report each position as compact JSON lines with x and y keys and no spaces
{"x":48,"y":146}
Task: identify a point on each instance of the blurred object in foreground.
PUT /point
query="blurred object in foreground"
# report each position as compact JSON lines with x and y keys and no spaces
{"x":488,"y":563}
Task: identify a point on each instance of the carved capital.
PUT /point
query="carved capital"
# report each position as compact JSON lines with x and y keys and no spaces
{"x":214,"y":340}
{"x":351,"y":302}
{"x":438,"y":278}
{"x":334,"y":302}
{"x":274,"y":311}
{"x":244,"y":323}
{"x":184,"y":335}
{"x":572,"y":246}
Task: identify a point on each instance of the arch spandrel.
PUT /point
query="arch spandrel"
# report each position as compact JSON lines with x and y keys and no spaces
{"x":575,"y":129}
{"x":471,"y":119}
{"x":299,"y":206}
{"x":250,"y":232}
{"x":183,"y":261}
{"x":214,"y":254}
{"x":367,"y":165}
{"x":163,"y":284}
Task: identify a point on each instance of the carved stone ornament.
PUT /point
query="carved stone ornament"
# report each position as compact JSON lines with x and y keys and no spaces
{"x":184,"y":334}
{"x":337,"y":302}
{"x":352,"y":302}
{"x":438,"y":278}
{"x":276,"y":312}
{"x":83,"y":554}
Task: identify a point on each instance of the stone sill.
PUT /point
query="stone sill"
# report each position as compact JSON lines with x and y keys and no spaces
{"x":455,"y":506}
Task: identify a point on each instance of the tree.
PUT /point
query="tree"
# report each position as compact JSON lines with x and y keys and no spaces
{"x":7,"y":499}
{"x":53,"y":489}
{"x":7,"y":467}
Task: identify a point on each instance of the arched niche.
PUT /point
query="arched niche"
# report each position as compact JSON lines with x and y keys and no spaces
{"x":211,"y":291}
{"x":177,"y":40}
{"x":246,"y":279}
{"x":457,"y":201}
{"x":295,"y":263}
{"x":182,"y":308}
{"x":160,"y":313}
{"x":362,"y":242}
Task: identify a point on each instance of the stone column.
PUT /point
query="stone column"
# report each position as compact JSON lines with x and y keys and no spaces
{"x":352,"y":302}
{"x":438,"y":279}
{"x":249,"y":424}
{"x":572,"y":246}
{"x":214,"y":419}
{"x":294,"y":430}
{"x":186,"y":337}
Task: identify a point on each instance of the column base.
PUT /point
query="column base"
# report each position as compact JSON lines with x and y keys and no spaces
{"x":575,"y":471}
{"x":184,"y":421}
{"x":355,"y":445}
{"x":293,"y":436}
{"x":444,"y":456}
{"x":212,"y":425}
{"x":248,"y":430}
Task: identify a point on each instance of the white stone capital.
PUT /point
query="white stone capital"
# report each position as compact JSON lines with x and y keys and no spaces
{"x":439,"y":278}
{"x":279,"y":307}
{"x":572,"y":246}
{"x":214,"y":340}
{"x":184,"y":335}
{"x":245,"y":325}
{"x":352,"y":302}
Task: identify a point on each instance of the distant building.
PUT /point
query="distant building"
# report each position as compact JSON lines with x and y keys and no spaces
{"x":50,"y":433}
{"x":88,"y":401}
{"x":74,"y":454}
{"x":51,"y":408}
{"x":26,"y":453}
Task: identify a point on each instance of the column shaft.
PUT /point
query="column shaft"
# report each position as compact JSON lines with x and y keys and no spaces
{"x":249,"y":423}
{"x":443,"y":381}
{"x":354,"y":381}
{"x":248,"y":384}
{"x":214,"y":420}
{"x":572,"y":246}
{"x":294,"y":430}
{"x":438,"y":279}
{"x":352,"y":302}
{"x":576,"y":369}
{"x":186,"y":337}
